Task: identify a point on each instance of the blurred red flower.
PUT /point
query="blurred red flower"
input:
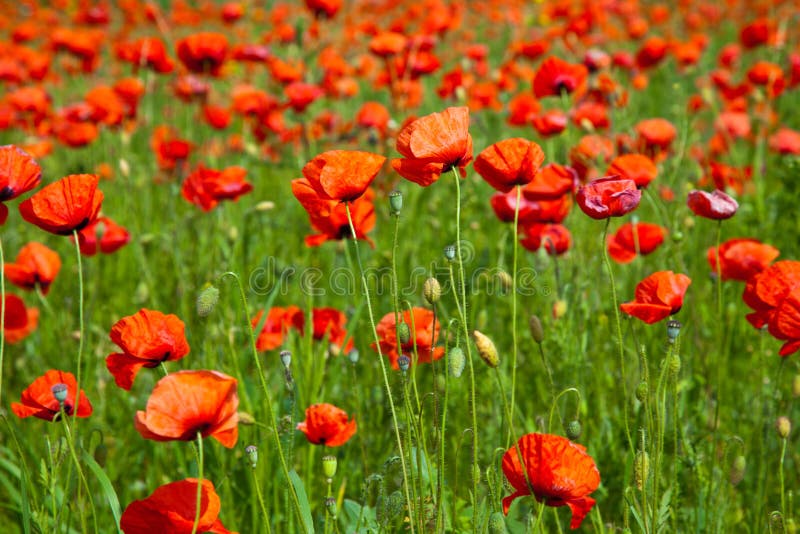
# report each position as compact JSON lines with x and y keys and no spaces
{"x":636,"y":167}
{"x":509,"y":162}
{"x":342,"y":175}
{"x":560,"y":473}
{"x":555,"y":76}
{"x":555,"y":238}
{"x":19,"y":321}
{"x":38,"y":400}
{"x":330,"y":323}
{"x":203,"y":52}
{"x":716,"y":205}
{"x":188,"y":403}
{"x":19,"y":173}
{"x":36,"y":265}
{"x":278,"y":322}
{"x":608,"y":197}
{"x":551,"y":182}
{"x":423,"y":336}
{"x":71,"y":203}
{"x":741,"y":258}
{"x":658,"y":296}
{"x":104,"y":235}
{"x":327,"y":425}
{"x":630,"y":238}
{"x":207,"y":187}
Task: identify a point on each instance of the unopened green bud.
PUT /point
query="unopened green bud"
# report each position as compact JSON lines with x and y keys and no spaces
{"x":505,"y":280}
{"x":573,"y":430}
{"x":641,"y":469}
{"x":245,"y":418}
{"x":486,"y":349}
{"x":252,"y":455}
{"x":737,"y":469}
{"x":783,"y":426}
{"x":456,"y":361}
{"x":537,"y":332}
{"x":497,"y":523}
{"x":329,"y":464}
{"x":642,"y":390}
{"x":100,"y":454}
{"x":206,"y":300}
{"x":796,"y":386}
{"x":432,"y":290}
{"x":396,"y":202}
{"x":403,"y":333}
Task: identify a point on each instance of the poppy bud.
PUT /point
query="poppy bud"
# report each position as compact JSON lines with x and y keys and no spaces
{"x":329,"y":464}
{"x":353,"y":356}
{"x":737,"y":469}
{"x":252,"y":455}
{"x":393,"y":505}
{"x":537,"y":332}
{"x":404,"y":362}
{"x":403,"y":333}
{"x":641,"y":469}
{"x":783,"y":426}
{"x":674,"y":364}
{"x":264,"y":205}
{"x":776,"y":521}
{"x":673,"y":329}
{"x":574,"y":430}
{"x":506,"y":282}
{"x":60,"y":392}
{"x":486,"y":349}
{"x":456,"y":361}
{"x":245,"y":418}
{"x":124,"y":167}
{"x":559,"y":309}
{"x":497,"y":524}
{"x":286,"y":358}
{"x":450,"y":252}
{"x":677,"y":237}
{"x":330,"y":505}
{"x":432,"y":290}
{"x":642,"y":391}
{"x":796,"y":386}
{"x":396,"y":202}
{"x":206,"y":300}
{"x":476,"y":474}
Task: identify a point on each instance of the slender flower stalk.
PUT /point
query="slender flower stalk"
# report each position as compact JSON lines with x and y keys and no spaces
{"x":514,"y":316}
{"x":71,"y":445}
{"x":80,"y":321}
{"x":198,"y":501}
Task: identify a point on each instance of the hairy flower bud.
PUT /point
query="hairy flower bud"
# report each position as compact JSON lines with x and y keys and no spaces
{"x":486,"y":349}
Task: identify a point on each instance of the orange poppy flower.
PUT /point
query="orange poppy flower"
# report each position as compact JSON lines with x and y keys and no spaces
{"x":434,"y":144}
{"x":71,"y":203}
{"x":36,"y":265}
{"x":423,"y":336}
{"x":509,"y":162}
{"x":623,"y":245}
{"x":560,"y":473}
{"x":278,"y":322}
{"x":550,"y":123}
{"x":765,"y":291}
{"x":373,"y":115}
{"x":327,"y":425}
{"x":636,"y":167}
{"x":20,"y":322}
{"x":203,"y":52}
{"x":342,"y":175}
{"x":522,"y":109}
{"x":329,"y":323}
{"x":657,"y":297}
{"x":555,"y":76}
{"x":387,"y":44}
{"x":324,"y":8}
{"x":608,"y":197}
{"x":530,"y":211}
{"x":555,"y":238}
{"x":207,"y":187}
{"x":104,"y":235}
{"x":716,"y":205}
{"x":655,"y":135}
{"x":39,"y":400}
{"x":146,"y":338}
{"x":741,"y":258}
{"x":19,"y":173}
{"x":173,"y":508}
{"x":329,"y":217}
{"x":590,"y":151}
{"x":186,"y":403}
{"x":301,"y":95}
{"x":785,"y":141}
{"x":551,"y":182}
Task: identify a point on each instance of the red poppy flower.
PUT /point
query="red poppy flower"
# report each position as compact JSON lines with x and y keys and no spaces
{"x":324,"y":8}
{"x":104,"y":235}
{"x":387,"y":44}
{"x":717,"y":205}
{"x":658,"y":296}
{"x":655,"y":135}
{"x":207,"y":187}
{"x":71,"y":203}
{"x":203,"y":52}
{"x":550,"y":183}
{"x":374,"y":115}
{"x":147,"y":52}
{"x":608,"y":197}
{"x":636,"y":167}
{"x":327,"y":425}
{"x":19,"y":321}
{"x":785,"y":323}
{"x":555,"y":238}
{"x":530,"y":211}
{"x":186,"y":403}
{"x":146,"y":338}
{"x":172,"y":508}
{"x":785,"y":141}
{"x":342,"y":175}
{"x":421,"y":336}
{"x":550,"y":123}
{"x":36,"y":265}
{"x":509,"y":162}
{"x":560,"y":473}
{"x":622,"y":246}
{"x":765,"y":291}
{"x":278,"y":322}
{"x":329,"y":217}
{"x":39,"y":401}
{"x":168,"y":149}
{"x":301,"y":95}
{"x":555,"y":76}
{"x":19,"y":173}
{"x":588,"y":153}
{"x":330,"y":323}
{"x":434,"y":144}
{"x":741,"y":258}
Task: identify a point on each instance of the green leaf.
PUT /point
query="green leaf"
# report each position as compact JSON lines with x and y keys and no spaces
{"x":105,"y":484}
{"x":302,"y":498}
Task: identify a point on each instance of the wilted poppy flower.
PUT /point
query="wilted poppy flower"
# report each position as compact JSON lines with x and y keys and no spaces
{"x":555,"y":238}
{"x":188,"y":403}
{"x":207,"y":187}
{"x":36,"y":265}
{"x":329,"y":217}
{"x":631,"y":238}
{"x":434,"y":144}
{"x":278,"y":322}
{"x":38,"y":399}
{"x":203,"y":52}
{"x":658,"y":296}
{"x":423,"y":336}
{"x":741,"y":258}
{"x":71,"y":203}
{"x":104,"y":235}
{"x":636,"y":167}
{"x":560,"y":473}
{"x":327,"y":425}
{"x":173,"y":508}
{"x":19,"y":173}
{"x":147,"y":339}
{"x":716,"y":205}
{"x":555,"y":76}
{"x":509,"y":162}
{"x":608,"y":197}
{"x":342,"y":175}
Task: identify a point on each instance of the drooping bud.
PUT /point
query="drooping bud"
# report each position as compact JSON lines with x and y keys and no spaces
{"x":329,"y":464}
{"x":537,"y":332}
{"x":737,"y":469}
{"x":497,"y":523}
{"x":404,"y":362}
{"x":505,"y":280}
{"x":432,"y":290}
{"x":403,"y":333}
{"x":574,"y":430}
{"x":641,"y":469}
{"x":486,"y":349}
{"x":396,"y":202}
{"x":456,"y":361}
{"x":60,"y":392}
{"x":245,"y":418}
{"x":450,"y":252}
{"x":206,"y":300}
{"x":673,"y":329}
{"x":252,"y":455}
{"x":286,"y":358}
{"x":783,"y":426}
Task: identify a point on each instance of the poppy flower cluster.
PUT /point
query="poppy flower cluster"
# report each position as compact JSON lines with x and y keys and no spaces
{"x":328,"y":323}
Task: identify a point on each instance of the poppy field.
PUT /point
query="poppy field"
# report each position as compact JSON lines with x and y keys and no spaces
{"x":370,"y":266}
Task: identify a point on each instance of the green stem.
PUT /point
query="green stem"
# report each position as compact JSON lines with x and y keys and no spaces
{"x":2,"y":314}
{"x":74,"y":455}
{"x":260,"y":497}
{"x":383,"y":365}
{"x":81,"y":332}
{"x":199,"y":498}
{"x":514,"y":314}
{"x":780,"y":471}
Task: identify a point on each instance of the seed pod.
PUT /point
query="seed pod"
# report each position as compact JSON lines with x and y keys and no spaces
{"x":329,"y":464}
{"x":353,"y":356}
{"x":252,"y":455}
{"x":486,"y":349}
{"x":641,"y":469}
{"x":396,"y":202}
{"x":404,"y":362}
{"x":456,"y":361}
{"x":673,"y":329}
{"x":432,"y":290}
{"x":537,"y":332}
{"x":330,"y":505}
{"x":60,"y":392}
{"x":286,"y":358}
{"x":450,"y":252}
